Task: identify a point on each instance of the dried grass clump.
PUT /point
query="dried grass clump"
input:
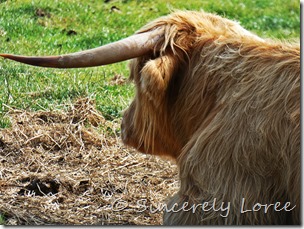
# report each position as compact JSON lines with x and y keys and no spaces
{"x":71,"y":168}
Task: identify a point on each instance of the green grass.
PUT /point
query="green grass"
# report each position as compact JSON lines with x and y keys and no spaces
{"x":24,"y":31}
{"x":1,"y":220}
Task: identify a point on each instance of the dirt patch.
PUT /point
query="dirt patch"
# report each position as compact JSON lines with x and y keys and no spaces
{"x":71,"y":168}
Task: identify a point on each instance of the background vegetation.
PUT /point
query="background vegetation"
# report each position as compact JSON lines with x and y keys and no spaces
{"x":43,"y":27}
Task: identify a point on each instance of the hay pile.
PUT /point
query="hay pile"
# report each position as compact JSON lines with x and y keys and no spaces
{"x":71,"y":168}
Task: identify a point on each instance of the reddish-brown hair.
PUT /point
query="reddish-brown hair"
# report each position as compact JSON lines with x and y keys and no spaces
{"x":226,"y":105}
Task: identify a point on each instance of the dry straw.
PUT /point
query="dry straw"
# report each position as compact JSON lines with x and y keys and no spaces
{"x":71,"y":168}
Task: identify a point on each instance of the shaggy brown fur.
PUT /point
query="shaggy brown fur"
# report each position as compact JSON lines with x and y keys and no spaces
{"x":226,"y":105}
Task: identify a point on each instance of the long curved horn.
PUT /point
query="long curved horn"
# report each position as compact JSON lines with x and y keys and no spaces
{"x":128,"y":48}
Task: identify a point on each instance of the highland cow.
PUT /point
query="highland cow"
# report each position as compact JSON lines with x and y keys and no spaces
{"x":224,"y":103}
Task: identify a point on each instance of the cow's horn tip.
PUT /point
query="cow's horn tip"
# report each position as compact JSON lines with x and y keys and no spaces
{"x":5,"y":55}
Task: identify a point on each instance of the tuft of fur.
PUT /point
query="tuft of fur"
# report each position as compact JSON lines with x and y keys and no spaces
{"x":226,"y":105}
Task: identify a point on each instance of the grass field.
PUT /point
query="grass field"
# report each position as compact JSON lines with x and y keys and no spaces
{"x":43,"y":27}
{"x":33,"y":27}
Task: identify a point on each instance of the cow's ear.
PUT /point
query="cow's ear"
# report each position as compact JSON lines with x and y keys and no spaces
{"x":156,"y":75}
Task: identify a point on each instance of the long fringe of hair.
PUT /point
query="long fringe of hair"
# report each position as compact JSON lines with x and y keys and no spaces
{"x":233,"y":118}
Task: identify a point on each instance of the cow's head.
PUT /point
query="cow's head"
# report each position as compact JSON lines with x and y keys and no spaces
{"x":162,"y":52}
